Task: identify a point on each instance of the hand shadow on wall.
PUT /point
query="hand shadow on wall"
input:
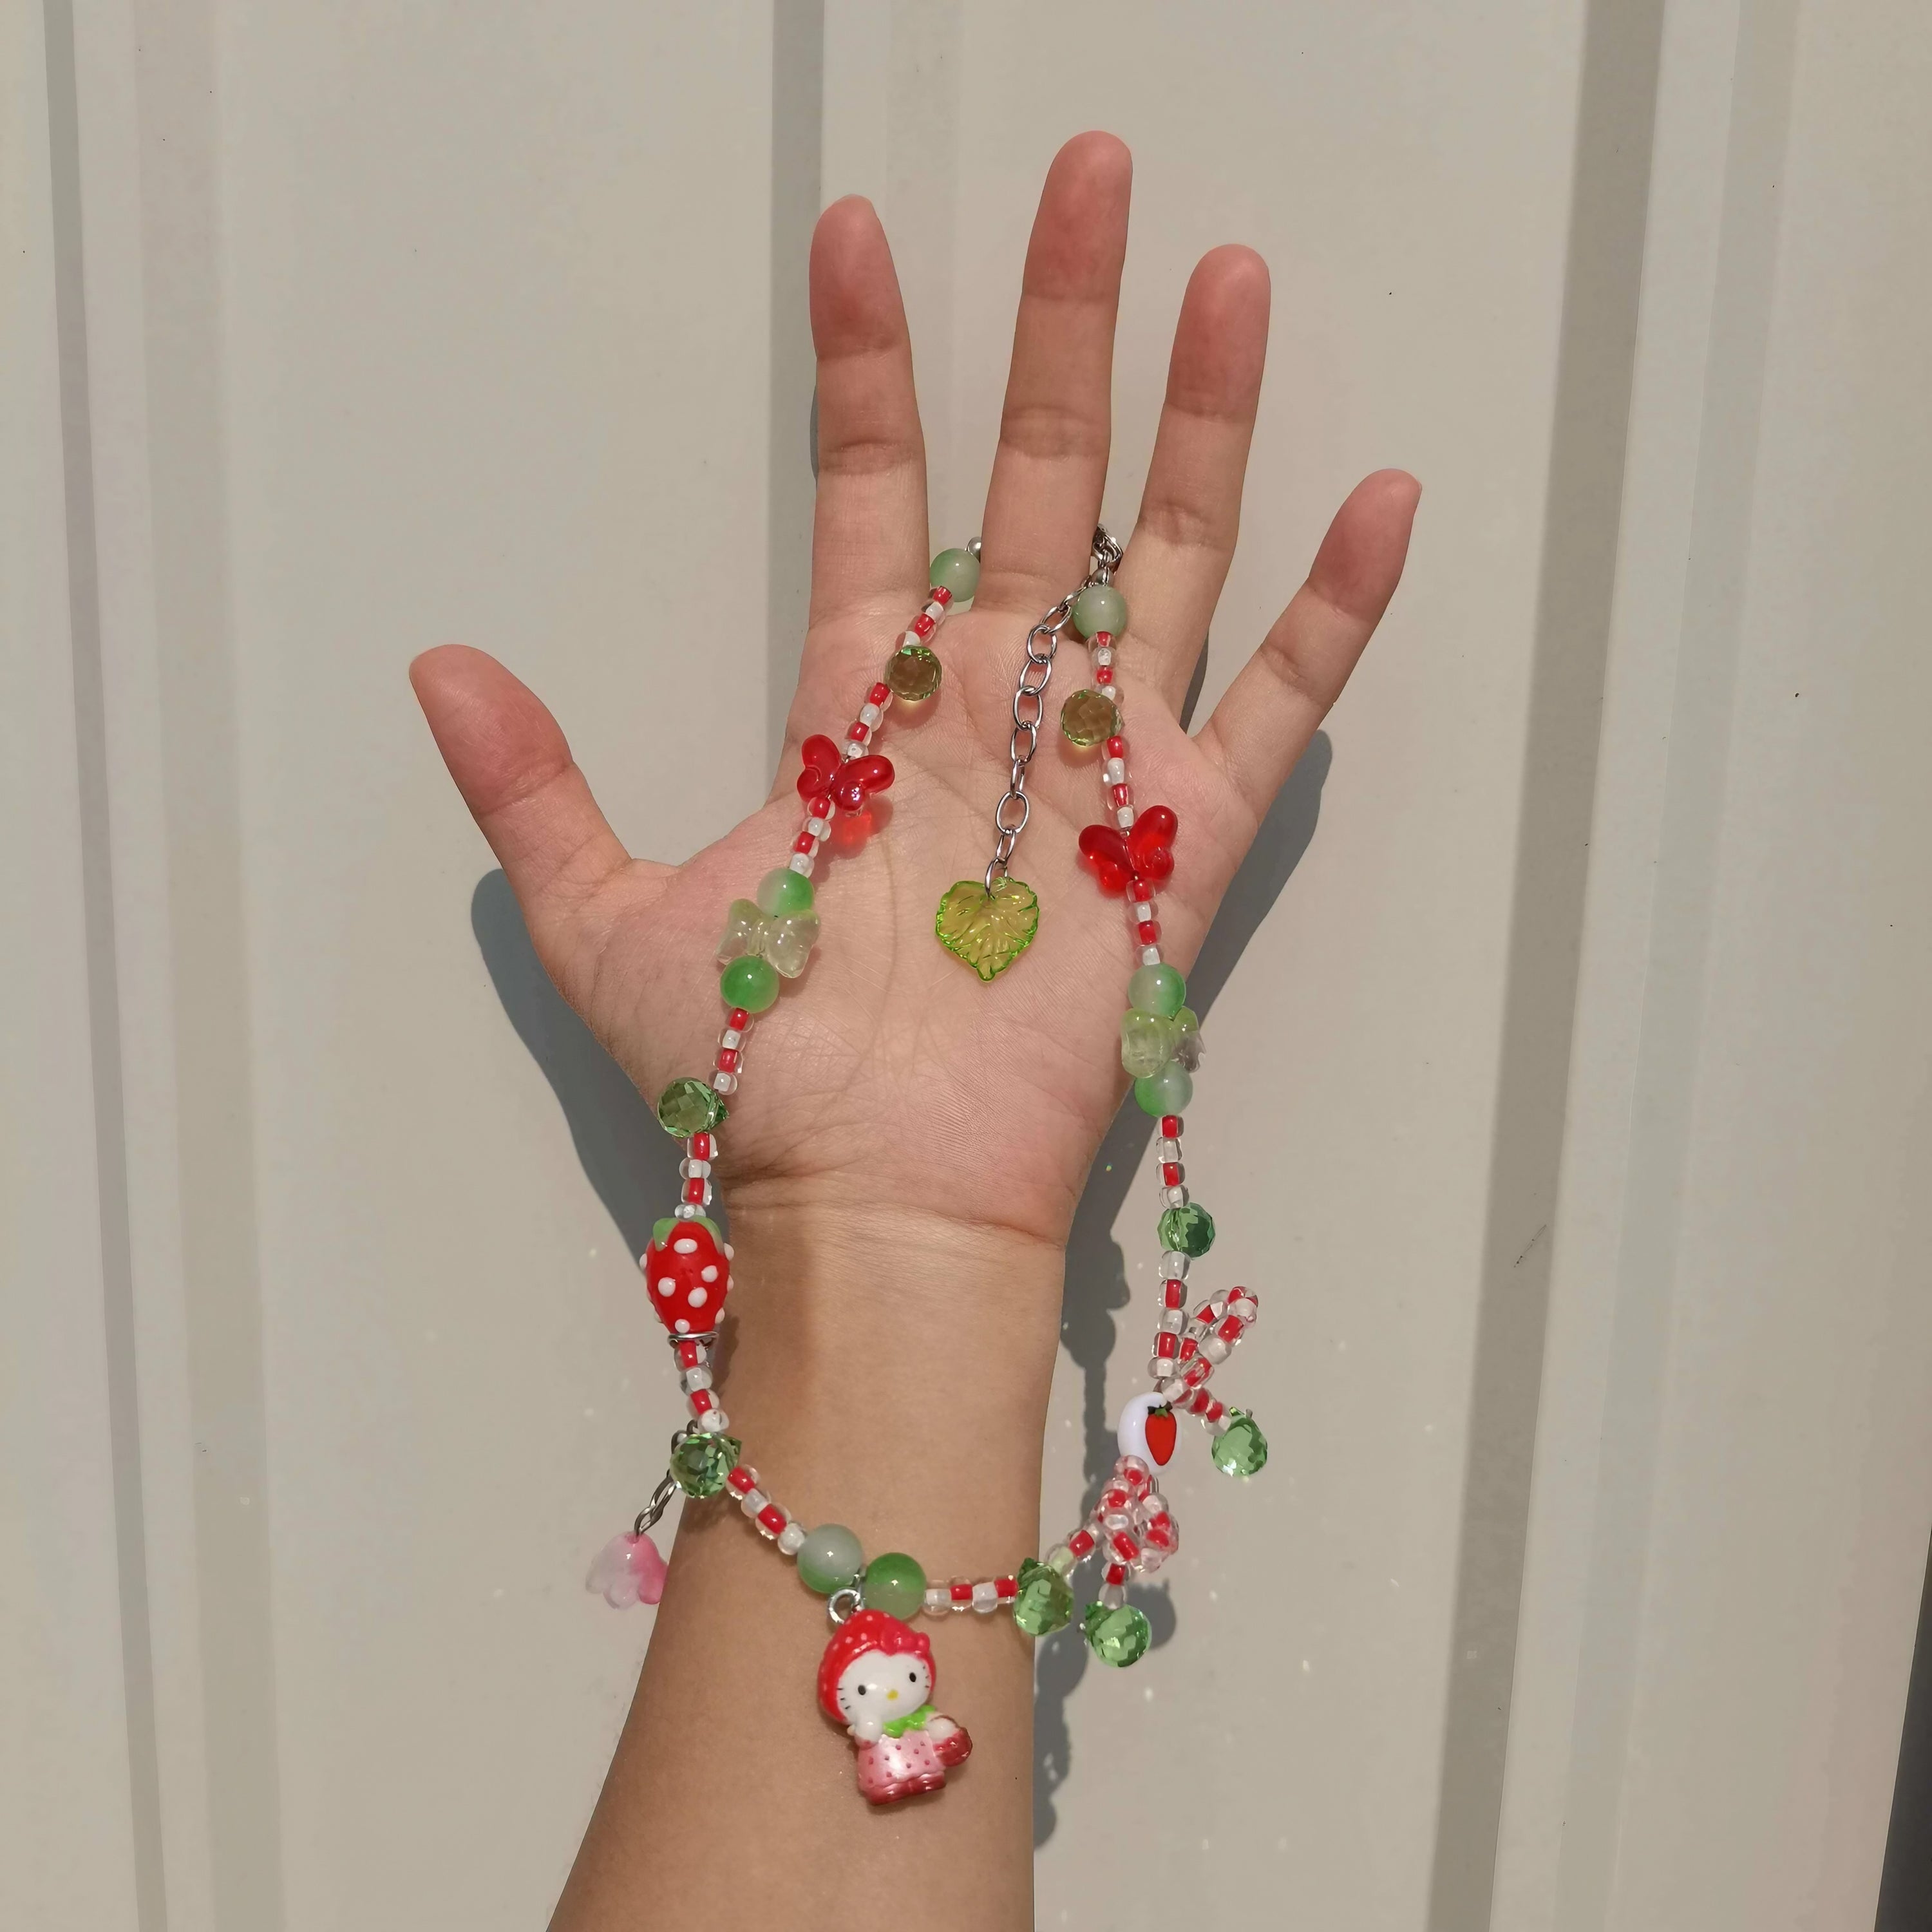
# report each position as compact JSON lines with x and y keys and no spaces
{"x":1097,"y":1276}
{"x":632,"y":1164}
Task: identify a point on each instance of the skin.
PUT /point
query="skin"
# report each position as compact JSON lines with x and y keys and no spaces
{"x":902,"y":1166}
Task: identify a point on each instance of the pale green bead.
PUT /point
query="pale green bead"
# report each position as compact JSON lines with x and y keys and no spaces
{"x":743,"y":925}
{"x":688,"y":1107}
{"x":830,"y":1558}
{"x":895,"y":1584}
{"x":1241,"y":1449}
{"x":1100,"y":607}
{"x":788,"y":943}
{"x":1157,"y":989}
{"x":957,"y":571}
{"x":1167,"y":1092}
{"x":782,"y":892}
{"x":1148,"y":1041}
{"x":1044,"y":1603}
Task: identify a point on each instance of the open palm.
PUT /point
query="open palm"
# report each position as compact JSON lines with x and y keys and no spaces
{"x":888,"y":1072}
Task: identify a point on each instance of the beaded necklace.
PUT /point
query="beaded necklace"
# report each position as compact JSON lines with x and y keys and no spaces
{"x":877,"y":1671}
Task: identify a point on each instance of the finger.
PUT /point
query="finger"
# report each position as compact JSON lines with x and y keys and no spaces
{"x":515,"y":770}
{"x":1191,"y":511}
{"x":1264,"y":722}
{"x":869,"y":533}
{"x":1051,"y":463}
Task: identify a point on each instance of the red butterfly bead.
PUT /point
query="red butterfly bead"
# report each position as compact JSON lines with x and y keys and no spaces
{"x":847,"y":782}
{"x":1145,"y":854}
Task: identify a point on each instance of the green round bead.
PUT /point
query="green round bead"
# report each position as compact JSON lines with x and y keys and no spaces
{"x":895,"y":1584}
{"x":1088,"y":718}
{"x":957,"y":571}
{"x":1241,"y":1449}
{"x":1157,"y":989}
{"x":688,"y":1107}
{"x":1148,"y":1041}
{"x":1187,"y":1231}
{"x":783,"y":893}
{"x":1119,"y":1636}
{"x":1167,"y":1092}
{"x":699,"y":1463}
{"x":1100,"y":607}
{"x":750,"y":982}
{"x":1044,"y":1603}
{"x":830,"y":1558}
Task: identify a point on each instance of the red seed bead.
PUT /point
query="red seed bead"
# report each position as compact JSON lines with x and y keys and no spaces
{"x":1103,"y":673}
{"x":703,"y":1147}
{"x":701,"y":1401}
{"x":1008,"y":1587}
{"x":922,"y":627}
{"x":819,"y":806}
{"x":1080,"y":1542}
{"x":1170,"y":1123}
{"x":1116,"y":747}
{"x":961,"y":1590}
{"x":1170,"y":1173}
{"x":858,"y":732}
{"x":880,"y":694}
{"x":1124,"y":1546}
{"x":742,"y":1480}
{"x":1148,"y":932}
{"x":740,"y":1018}
{"x":805,"y":843}
{"x":771,"y":1518}
{"x":1165,"y":1344}
{"x":938,"y":594}
{"x":727,"y":1060}
{"x":1176,"y":1297}
{"x":1117,"y":1572}
{"x":693,"y":1192}
{"x":1120,"y":794}
{"x":690,"y":1354}
{"x":1100,"y":638}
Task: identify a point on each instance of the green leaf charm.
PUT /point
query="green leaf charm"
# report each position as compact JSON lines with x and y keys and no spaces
{"x":989,"y":931}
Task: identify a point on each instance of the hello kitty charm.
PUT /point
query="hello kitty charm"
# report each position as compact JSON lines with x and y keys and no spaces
{"x":875,"y":1678}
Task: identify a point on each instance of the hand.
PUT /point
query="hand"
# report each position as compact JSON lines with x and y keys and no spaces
{"x":888,"y":1080}
{"x":901,"y":1164}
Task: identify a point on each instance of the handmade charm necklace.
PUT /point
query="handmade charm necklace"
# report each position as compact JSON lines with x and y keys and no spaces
{"x":877,"y":1673}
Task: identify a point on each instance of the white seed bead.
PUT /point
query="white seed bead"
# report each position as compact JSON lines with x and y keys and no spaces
{"x":985,"y":1597}
{"x":1244,"y":1308}
{"x":1157,"y":1366}
{"x":731,"y":1036}
{"x":1222,"y":1423}
{"x":936,"y":611}
{"x":1174,"y":1197}
{"x":790,"y":1538}
{"x":1174,"y":1320}
{"x":722,"y":1082}
{"x":801,"y":864}
{"x":1143,"y":909}
{"x":693,"y":1170}
{"x":938,"y":1601}
{"x":693,"y":1379}
{"x":753,"y":1501}
{"x":1164,"y":1149}
{"x":1213,"y":1348}
{"x":1149,"y":955}
{"x":1112,"y":1596}
{"x":818,"y":827}
{"x":687,"y":1211}
{"x":1124,"y":818}
{"x":1173,"y":1265}
{"x":714,"y":1422}
{"x":1114,"y":771}
{"x":1103,"y":654}
{"x":910,"y":640}
{"x":869,"y":713}
{"x":852,"y":748}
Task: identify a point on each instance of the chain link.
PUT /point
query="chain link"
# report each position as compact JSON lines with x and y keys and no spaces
{"x":1014,"y":808}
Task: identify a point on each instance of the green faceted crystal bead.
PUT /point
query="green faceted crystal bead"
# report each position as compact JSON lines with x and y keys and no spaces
{"x":1119,"y":1636}
{"x":1044,"y":1603}
{"x":699,"y":1463}
{"x":1157,"y":989}
{"x":830,"y":1558}
{"x":688,"y":1107}
{"x":957,"y":571}
{"x":1088,"y":717}
{"x":749,"y":983}
{"x":1187,"y":1231}
{"x":1241,"y":1449}
{"x":1100,"y":607}
{"x":913,"y":673}
{"x":895,"y":1584}
{"x":1147,"y":1042}
{"x":782,"y":891}
{"x":1167,"y":1092}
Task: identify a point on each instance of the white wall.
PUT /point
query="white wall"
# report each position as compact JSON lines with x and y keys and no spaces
{"x":1582,"y":1584}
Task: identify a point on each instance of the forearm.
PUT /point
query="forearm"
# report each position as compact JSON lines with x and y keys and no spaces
{"x":888,"y":1370}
